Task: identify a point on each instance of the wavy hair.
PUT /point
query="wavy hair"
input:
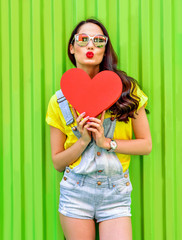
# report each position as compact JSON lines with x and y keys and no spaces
{"x":128,"y":102}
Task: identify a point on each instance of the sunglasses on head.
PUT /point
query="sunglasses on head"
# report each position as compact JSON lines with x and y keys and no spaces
{"x":83,"y":39}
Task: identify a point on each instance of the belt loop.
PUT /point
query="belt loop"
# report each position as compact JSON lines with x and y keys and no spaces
{"x":82,"y":180}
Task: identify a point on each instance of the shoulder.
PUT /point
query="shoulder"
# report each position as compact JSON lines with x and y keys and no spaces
{"x":53,"y":106}
{"x":53,"y":99}
{"x":54,"y":116}
{"x":55,"y":96}
{"x":143,"y":98}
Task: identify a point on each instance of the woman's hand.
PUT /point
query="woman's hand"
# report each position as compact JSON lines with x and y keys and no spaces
{"x":97,"y":129}
{"x":82,"y":126}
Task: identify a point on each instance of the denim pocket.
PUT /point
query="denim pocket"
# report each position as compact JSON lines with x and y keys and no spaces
{"x":68,"y":183}
{"x":123,"y":186}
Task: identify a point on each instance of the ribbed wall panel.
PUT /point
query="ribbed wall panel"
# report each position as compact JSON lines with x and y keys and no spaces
{"x":147,"y":37}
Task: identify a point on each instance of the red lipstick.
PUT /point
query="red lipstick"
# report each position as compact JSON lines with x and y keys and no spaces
{"x":90,"y":54}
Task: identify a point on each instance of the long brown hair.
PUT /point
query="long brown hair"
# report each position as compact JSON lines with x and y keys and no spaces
{"x":128,"y":103}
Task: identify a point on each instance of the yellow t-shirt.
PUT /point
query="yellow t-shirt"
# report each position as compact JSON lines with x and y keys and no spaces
{"x":54,"y":117}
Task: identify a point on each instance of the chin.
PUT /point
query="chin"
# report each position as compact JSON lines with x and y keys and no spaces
{"x":91,"y":61}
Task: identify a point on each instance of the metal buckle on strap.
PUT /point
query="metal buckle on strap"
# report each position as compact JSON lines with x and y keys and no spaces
{"x":62,"y":99}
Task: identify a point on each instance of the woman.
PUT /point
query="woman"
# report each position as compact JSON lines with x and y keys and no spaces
{"x":94,"y":153}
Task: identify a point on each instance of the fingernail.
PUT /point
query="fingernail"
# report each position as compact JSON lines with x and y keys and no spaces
{"x":83,"y":113}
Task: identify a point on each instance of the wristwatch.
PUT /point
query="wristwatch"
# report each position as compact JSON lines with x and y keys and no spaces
{"x":113,"y":145}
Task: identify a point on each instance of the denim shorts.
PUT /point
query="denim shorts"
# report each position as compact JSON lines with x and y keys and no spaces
{"x":95,"y":196}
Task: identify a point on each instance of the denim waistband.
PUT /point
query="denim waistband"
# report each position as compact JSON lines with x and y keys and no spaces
{"x":95,"y":177}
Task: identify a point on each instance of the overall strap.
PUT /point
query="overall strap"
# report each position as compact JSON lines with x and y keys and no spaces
{"x":63,"y":104}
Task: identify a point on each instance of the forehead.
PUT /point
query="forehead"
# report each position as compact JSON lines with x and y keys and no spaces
{"x":91,"y":29}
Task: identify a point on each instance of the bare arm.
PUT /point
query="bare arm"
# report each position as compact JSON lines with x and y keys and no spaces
{"x":61,"y":157}
{"x":142,"y":145}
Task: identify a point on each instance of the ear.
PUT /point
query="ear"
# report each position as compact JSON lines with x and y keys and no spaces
{"x":72,"y":49}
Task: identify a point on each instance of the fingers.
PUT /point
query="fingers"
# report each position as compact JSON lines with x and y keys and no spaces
{"x":102,"y":116}
{"x":80,"y":123}
{"x":84,"y":121}
{"x":95,"y":120}
{"x":96,"y":123}
{"x":80,"y":117}
{"x":94,"y":130}
{"x":93,"y":124}
{"x":86,"y":126}
{"x":74,"y":113}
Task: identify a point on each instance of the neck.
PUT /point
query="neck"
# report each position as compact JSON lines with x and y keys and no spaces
{"x":90,"y":70}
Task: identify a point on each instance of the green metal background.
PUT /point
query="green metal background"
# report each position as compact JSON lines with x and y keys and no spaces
{"x":147,"y":37}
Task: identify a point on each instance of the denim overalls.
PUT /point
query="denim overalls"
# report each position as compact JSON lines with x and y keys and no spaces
{"x":97,"y":187}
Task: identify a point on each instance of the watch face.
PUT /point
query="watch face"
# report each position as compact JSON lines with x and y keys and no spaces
{"x":113,"y":144}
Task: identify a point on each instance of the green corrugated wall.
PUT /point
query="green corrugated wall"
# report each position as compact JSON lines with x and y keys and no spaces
{"x":147,"y":37}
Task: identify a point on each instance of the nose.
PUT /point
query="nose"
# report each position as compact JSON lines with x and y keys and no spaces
{"x":90,"y":44}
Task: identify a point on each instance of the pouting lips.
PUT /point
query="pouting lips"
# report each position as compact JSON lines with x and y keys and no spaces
{"x":89,"y":54}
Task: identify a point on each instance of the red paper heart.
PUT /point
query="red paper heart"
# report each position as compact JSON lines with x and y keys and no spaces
{"x":91,"y":95}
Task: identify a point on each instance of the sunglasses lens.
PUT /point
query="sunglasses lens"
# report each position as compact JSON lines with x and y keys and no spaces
{"x":83,"y":39}
{"x":100,"y":41}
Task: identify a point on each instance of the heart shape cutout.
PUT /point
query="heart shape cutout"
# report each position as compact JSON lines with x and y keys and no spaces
{"x":92,"y":96}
